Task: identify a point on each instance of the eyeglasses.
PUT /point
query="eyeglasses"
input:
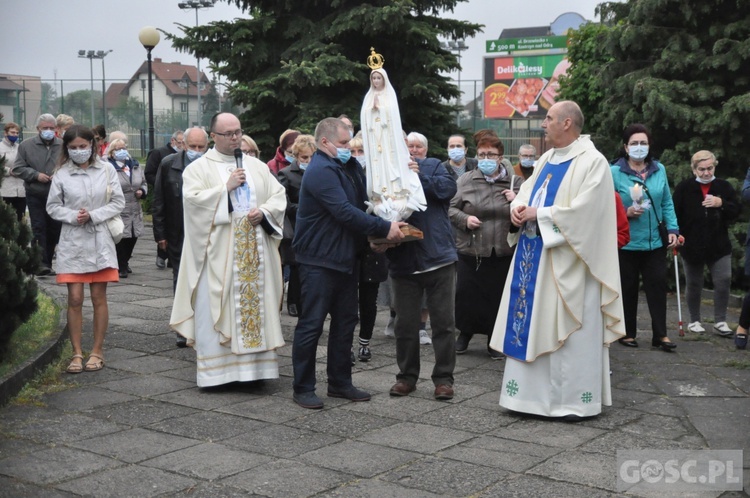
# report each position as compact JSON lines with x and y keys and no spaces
{"x":704,"y":170}
{"x":488,"y":155}
{"x":526,"y":156}
{"x":635,"y":144}
{"x":230,"y":134}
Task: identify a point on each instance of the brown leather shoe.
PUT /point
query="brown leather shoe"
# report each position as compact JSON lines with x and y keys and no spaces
{"x":402,"y":388}
{"x":443,"y":391}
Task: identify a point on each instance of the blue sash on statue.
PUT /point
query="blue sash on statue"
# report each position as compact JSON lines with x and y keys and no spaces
{"x":526,"y":267}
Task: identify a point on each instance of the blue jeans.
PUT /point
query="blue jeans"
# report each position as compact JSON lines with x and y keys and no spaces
{"x":324,"y":292}
{"x":46,"y":231}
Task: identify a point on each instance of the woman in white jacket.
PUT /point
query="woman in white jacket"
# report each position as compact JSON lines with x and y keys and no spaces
{"x":84,"y":194}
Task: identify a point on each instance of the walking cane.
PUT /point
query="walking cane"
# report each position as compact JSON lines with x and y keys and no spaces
{"x":680,"y":241}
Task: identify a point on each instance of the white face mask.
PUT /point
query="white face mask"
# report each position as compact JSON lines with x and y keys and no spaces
{"x":79,"y":156}
{"x":638,"y":152}
{"x":361,"y":160}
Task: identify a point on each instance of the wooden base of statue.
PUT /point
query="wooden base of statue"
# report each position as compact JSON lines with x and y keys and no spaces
{"x":410,"y":232}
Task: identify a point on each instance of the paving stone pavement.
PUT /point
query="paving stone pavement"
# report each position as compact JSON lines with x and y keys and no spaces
{"x":141,"y":427}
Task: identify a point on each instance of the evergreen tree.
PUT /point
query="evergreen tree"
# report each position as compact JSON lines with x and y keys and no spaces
{"x":210,"y":103}
{"x":19,"y":260}
{"x":680,"y":67}
{"x":298,"y":61}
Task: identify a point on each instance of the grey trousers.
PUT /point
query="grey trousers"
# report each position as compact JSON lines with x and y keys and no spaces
{"x":440,"y":287}
{"x":721,"y":274}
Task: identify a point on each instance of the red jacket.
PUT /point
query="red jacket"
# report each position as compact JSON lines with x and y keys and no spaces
{"x":623,"y":226}
{"x":278,"y":163}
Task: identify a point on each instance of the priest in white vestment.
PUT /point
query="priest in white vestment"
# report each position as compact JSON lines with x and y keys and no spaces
{"x":230,"y":285}
{"x":562,"y":304}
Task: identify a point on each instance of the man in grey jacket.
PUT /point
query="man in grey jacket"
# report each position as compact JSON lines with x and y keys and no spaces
{"x":36,"y":161}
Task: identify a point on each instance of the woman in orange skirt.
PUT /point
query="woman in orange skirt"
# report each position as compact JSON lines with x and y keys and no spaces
{"x":84,"y":194}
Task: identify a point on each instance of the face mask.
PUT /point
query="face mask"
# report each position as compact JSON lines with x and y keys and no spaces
{"x":303,"y":166}
{"x":79,"y":156}
{"x":12,"y":138}
{"x":487,"y":166}
{"x":638,"y":152}
{"x":47,"y":134}
{"x":122,"y":155}
{"x":192,"y":155}
{"x":527,"y":163}
{"x":351,"y":134}
{"x":457,"y":154}
{"x":361,"y":160}
{"x":705,"y":182}
{"x":343,"y":154}
{"x":289,"y":159}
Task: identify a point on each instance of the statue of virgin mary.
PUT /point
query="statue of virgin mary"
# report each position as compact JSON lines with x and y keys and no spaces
{"x":394,"y":190}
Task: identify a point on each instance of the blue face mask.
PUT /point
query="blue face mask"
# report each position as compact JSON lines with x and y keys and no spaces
{"x":121,"y":155}
{"x":289,"y":159}
{"x":47,"y":134}
{"x":12,"y":138}
{"x":361,"y":160}
{"x":303,"y":166}
{"x":343,"y":154}
{"x":457,"y":154}
{"x":487,"y":166}
{"x":638,"y":152}
{"x":527,"y":163}
{"x":192,"y":155}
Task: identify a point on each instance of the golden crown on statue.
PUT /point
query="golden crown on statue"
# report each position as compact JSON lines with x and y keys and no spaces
{"x":375,"y":60}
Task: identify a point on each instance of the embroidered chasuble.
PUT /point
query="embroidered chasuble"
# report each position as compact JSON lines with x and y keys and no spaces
{"x":561,"y":306}
{"x":229,"y":286}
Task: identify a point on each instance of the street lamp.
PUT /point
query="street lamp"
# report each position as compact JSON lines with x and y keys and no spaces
{"x":91,"y":55}
{"x":149,"y":38}
{"x":456,"y":46}
{"x":197,"y":4}
{"x":185,"y":83}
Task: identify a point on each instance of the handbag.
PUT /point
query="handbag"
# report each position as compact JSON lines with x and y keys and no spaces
{"x":660,"y":224}
{"x":115,"y":225}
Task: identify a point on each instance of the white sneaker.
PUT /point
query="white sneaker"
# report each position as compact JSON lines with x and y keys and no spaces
{"x":388,"y":331}
{"x":696,"y":327}
{"x":424,"y":338}
{"x":723,"y":329}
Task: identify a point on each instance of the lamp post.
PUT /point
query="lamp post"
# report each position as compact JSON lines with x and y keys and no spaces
{"x":91,"y":55}
{"x":456,"y":46}
{"x":149,"y":38}
{"x":197,"y":4}
{"x":185,"y":83}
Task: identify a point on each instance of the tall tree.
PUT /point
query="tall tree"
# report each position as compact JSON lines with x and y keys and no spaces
{"x":298,"y":61}
{"x":129,"y":111}
{"x":78,"y":105}
{"x":210,"y":103}
{"x":680,"y":67}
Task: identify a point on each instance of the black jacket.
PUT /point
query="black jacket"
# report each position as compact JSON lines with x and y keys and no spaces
{"x":166,"y":207}
{"x":471,"y":164}
{"x":154,"y":159}
{"x":705,"y":229}
{"x":291,"y":178}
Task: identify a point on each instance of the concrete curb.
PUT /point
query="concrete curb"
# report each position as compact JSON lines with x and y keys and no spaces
{"x":12,"y":383}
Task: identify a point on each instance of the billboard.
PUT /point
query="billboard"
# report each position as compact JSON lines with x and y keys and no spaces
{"x":520,"y":87}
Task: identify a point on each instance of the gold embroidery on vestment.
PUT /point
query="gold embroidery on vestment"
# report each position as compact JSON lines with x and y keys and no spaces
{"x":247,"y":259}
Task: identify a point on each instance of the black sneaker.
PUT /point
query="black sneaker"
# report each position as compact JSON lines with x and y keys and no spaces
{"x":495,"y":355}
{"x":462,"y":343}
{"x":364,"y":353}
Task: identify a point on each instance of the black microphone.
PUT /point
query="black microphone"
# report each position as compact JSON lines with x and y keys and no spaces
{"x":238,"y":159}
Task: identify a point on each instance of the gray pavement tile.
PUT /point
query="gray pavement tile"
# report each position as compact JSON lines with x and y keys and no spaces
{"x":578,"y":467}
{"x":360,"y":459}
{"x":489,"y":379}
{"x":344,"y":423}
{"x":149,"y":364}
{"x":134,"y":445}
{"x":281,"y":441}
{"x":215,"y":490}
{"x":61,"y":427}
{"x":158,"y":302}
{"x":612,"y":419}
{"x":285,"y":478}
{"x":468,"y":418}
{"x":113,"y":353}
{"x":148,"y":385}
{"x":691,"y":380}
{"x":445,"y":477}
{"x":183,"y":354}
{"x":658,"y":426}
{"x":523,"y":486}
{"x":209,"y":461}
{"x":140,"y":413}
{"x":55,"y":465}
{"x":188,"y":374}
{"x":548,"y":433}
{"x":85,"y":399}
{"x":139,"y":325}
{"x":641,"y":382}
{"x":506,"y":454}
{"x":13,"y":448}
{"x":375,"y":488}
{"x":209,"y":426}
{"x":659,"y":404}
{"x":13,"y":488}
{"x":131,"y":480}
{"x":203,"y":399}
{"x":143,"y":343}
{"x":374,"y":381}
{"x":95,"y":378}
{"x":612,"y":441}
{"x":413,"y":436}
{"x":401,"y":408}
{"x":278,"y":409}
{"x":722,"y":430}
{"x":146,"y":312}
{"x":487,"y":401}
{"x":737,"y":377}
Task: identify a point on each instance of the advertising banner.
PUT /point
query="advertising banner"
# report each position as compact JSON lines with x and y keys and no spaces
{"x":521,"y":86}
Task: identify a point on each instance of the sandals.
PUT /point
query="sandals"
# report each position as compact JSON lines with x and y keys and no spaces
{"x":75,"y":367}
{"x":95,"y":362}
{"x":740,"y":340}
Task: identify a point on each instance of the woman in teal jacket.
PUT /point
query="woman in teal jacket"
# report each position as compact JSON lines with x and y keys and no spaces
{"x":642,"y":183}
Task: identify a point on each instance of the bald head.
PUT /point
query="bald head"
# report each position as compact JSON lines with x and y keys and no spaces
{"x":570,"y":110}
{"x":226,"y":132}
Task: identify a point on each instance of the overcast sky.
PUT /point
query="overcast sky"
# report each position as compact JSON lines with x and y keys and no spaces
{"x":44,"y":36}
